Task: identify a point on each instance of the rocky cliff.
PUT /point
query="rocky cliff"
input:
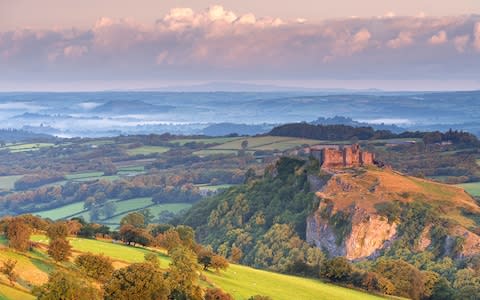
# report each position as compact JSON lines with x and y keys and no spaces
{"x":365,"y":211}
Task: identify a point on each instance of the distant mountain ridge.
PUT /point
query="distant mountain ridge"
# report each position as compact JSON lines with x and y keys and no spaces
{"x":130,"y":107}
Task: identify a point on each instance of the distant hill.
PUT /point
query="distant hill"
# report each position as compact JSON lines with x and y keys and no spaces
{"x":222,"y":129}
{"x":123,"y":107}
{"x":16,"y":135}
{"x":338,"y":120}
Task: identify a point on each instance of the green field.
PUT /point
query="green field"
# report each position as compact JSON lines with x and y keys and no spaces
{"x":116,"y":251}
{"x":257,"y":143}
{"x":7,"y":293}
{"x":61,"y":212}
{"x":243,"y":282}
{"x":7,"y":182}
{"x":240,"y":281}
{"x":155,"y":210}
{"x":26,"y":147}
{"x":145,"y":150}
{"x":86,"y":176}
{"x":213,"y":188}
{"x":472,"y":188}
{"x":213,"y":140}
{"x":122,"y":208}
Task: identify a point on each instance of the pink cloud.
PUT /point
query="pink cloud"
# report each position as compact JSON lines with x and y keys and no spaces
{"x":402,"y":40}
{"x":439,"y":38}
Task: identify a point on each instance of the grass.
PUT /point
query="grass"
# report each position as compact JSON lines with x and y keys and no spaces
{"x":213,"y":140}
{"x":120,"y":252}
{"x":61,"y":212}
{"x":122,"y":208}
{"x":7,"y":182}
{"x":9,"y":293}
{"x":243,"y":282}
{"x":26,"y":147}
{"x":472,"y":188}
{"x":86,"y":176}
{"x":145,"y":150}
{"x":240,"y":281}
{"x":213,"y":188}
{"x":154,"y":209}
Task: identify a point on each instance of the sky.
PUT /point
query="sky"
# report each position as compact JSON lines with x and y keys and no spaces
{"x":96,"y":44}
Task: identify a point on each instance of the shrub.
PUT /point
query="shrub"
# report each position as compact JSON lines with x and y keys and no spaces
{"x":96,"y":266}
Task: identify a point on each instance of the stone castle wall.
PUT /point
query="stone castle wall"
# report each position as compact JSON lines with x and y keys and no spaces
{"x":343,"y":157}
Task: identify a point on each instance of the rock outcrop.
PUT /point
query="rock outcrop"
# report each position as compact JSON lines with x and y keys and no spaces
{"x":352,"y":221}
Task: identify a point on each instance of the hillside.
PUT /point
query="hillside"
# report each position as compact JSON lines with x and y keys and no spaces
{"x":297,"y":212}
{"x":379,"y":205}
{"x":240,"y":281}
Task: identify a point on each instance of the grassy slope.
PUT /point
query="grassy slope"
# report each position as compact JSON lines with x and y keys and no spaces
{"x":242,"y":282}
{"x":7,"y":182}
{"x":376,"y":186}
{"x":7,"y":293}
{"x":472,"y":188}
{"x":61,"y":212}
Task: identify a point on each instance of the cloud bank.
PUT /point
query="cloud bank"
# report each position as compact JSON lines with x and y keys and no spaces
{"x":219,"y":44}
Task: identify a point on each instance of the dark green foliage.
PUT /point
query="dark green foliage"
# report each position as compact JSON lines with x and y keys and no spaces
{"x":262,"y":215}
{"x":407,"y":279}
{"x":63,"y":286}
{"x":135,"y":219}
{"x":137,"y":281}
{"x":336,"y":269}
{"x":392,"y":210}
{"x":96,"y":266}
{"x":342,"y":225}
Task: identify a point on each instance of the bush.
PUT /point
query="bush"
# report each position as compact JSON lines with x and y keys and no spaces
{"x":96,"y":266}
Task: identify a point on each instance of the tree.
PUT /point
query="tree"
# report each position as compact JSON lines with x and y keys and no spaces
{"x":216,"y":294}
{"x":8,"y":268}
{"x":152,"y":258}
{"x":336,"y":269}
{"x":59,"y":249}
{"x":137,"y":281}
{"x":219,"y":262}
{"x":259,"y":297}
{"x":169,"y":240}
{"x":109,"y":209}
{"x":57,"y":231}
{"x":467,"y":284}
{"x":18,"y":234}
{"x":135,"y":219}
{"x":130,"y":234}
{"x":182,"y":275}
{"x":62,"y":286}
{"x":407,"y":279}
{"x":96,"y":266}
{"x":236,"y":254}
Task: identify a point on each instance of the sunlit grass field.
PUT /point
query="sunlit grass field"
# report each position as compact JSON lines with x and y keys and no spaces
{"x":145,"y":150}
{"x":472,"y":188}
{"x":240,"y":281}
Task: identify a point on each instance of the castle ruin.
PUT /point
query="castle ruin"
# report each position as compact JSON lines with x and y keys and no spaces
{"x":336,"y":156}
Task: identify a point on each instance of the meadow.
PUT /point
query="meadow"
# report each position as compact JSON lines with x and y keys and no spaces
{"x":123,"y":207}
{"x":472,"y":188}
{"x":7,"y":182}
{"x":240,"y":281}
{"x":145,"y":150}
{"x":22,"y":147}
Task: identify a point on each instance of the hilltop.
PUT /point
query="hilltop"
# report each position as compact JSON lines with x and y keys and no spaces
{"x":378,"y":205}
{"x":367,"y":215}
